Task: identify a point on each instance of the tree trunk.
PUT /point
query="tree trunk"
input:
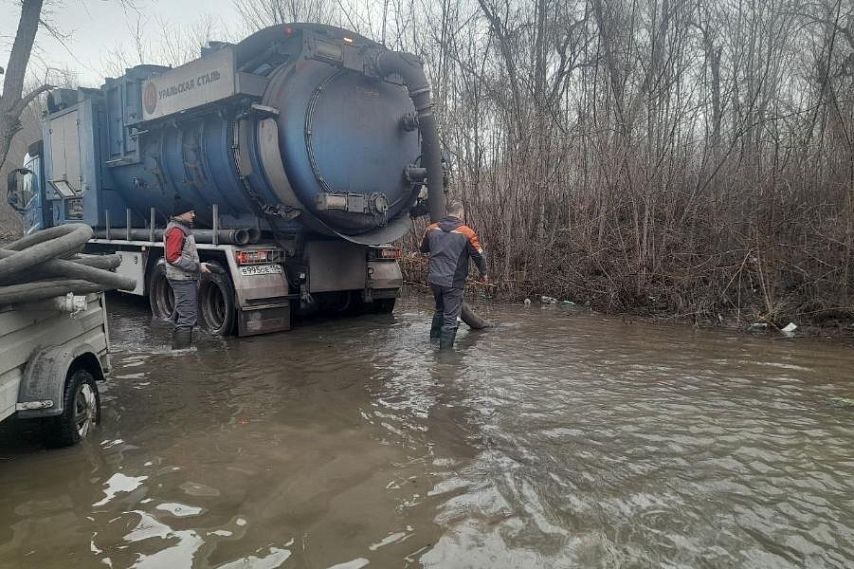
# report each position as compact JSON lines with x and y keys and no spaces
{"x":13,"y":102}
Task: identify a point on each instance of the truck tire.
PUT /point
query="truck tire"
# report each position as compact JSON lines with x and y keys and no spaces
{"x":80,"y":412}
{"x":217,"y":310}
{"x":161,"y":299}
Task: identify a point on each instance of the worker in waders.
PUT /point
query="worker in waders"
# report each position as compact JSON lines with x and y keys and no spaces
{"x":450,"y":243}
{"x":183,"y":271}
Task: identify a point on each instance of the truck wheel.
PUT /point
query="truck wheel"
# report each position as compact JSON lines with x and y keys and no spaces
{"x":216,"y":301}
{"x":384,"y":305}
{"x":160,"y":295}
{"x":80,"y":412}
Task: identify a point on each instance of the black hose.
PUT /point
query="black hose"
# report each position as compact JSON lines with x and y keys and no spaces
{"x":82,"y":270}
{"x":410,"y":68}
{"x":44,"y":265}
{"x":31,"y":292}
{"x":106,"y":262}
{"x":474,"y":321}
{"x":53,"y":243}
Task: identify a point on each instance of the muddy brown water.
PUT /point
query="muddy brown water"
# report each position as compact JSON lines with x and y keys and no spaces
{"x":561,"y":439}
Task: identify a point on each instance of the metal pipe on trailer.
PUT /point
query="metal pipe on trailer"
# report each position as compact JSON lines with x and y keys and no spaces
{"x":241,"y":236}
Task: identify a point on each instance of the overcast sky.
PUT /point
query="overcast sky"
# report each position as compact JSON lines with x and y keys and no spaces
{"x":95,"y":28}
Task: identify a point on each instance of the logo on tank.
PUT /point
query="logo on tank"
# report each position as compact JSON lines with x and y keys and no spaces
{"x":149,"y":97}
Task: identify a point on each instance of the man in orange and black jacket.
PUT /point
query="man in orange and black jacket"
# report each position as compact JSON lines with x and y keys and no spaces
{"x":450,"y":243}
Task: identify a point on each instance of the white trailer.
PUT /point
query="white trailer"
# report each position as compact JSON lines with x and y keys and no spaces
{"x":52,"y":354}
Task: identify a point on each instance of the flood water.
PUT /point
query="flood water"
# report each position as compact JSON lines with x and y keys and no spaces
{"x":560,"y":439}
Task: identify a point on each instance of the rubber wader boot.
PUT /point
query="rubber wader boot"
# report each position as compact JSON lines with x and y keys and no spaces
{"x":182,"y":338}
{"x":446,"y":340}
{"x":436,"y":327}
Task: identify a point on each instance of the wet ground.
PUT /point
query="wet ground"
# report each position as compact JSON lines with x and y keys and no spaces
{"x":561,"y":439}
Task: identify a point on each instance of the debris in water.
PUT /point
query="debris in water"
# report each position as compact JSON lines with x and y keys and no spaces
{"x":758,"y":327}
{"x":179,"y":510}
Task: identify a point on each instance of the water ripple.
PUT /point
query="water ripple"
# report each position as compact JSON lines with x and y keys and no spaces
{"x":560,"y":439}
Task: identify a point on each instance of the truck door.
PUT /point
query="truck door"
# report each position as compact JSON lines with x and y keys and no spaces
{"x":26,"y":194}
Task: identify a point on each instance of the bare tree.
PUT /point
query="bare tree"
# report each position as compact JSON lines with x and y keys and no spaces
{"x":674,"y":155}
{"x":14,"y":100}
{"x":257,"y":14}
{"x":172,"y":47}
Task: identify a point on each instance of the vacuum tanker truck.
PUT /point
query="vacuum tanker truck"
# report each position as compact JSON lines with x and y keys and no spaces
{"x":304,"y":149}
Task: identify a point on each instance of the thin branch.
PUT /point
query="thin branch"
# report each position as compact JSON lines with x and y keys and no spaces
{"x":30,"y":97}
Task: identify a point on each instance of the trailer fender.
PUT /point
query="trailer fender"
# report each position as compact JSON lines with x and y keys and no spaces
{"x":43,"y":383}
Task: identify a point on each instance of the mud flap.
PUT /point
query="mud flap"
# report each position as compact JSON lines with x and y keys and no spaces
{"x":263,"y":319}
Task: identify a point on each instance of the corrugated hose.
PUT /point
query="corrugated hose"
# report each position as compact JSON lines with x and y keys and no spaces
{"x":47,"y":264}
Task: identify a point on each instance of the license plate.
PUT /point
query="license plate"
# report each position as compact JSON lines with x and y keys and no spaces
{"x":250,"y":270}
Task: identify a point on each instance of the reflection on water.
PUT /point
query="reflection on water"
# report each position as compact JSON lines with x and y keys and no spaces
{"x":561,"y":439}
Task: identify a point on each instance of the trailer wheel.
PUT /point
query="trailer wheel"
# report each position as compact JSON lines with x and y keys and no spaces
{"x":80,"y":412}
{"x":160,"y":295}
{"x":216,"y":301}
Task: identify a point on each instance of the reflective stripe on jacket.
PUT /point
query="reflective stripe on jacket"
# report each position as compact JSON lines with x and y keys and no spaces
{"x":450,"y":243}
{"x":182,"y":258}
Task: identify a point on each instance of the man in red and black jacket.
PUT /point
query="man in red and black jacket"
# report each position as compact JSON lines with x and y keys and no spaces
{"x":450,"y":243}
{"x":183,"y":270}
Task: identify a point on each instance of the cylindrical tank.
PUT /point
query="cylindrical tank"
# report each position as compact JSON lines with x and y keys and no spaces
{"x":324,"y":143}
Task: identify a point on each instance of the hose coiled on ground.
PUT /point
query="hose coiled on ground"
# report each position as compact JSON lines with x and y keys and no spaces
{"x":44,"y":265}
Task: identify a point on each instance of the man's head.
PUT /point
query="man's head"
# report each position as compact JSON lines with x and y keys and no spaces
{"x":183,"y":210}
{"x":456,"y":209}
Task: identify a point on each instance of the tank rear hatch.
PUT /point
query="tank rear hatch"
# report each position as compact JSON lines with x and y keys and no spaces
{"x":345,"y":140}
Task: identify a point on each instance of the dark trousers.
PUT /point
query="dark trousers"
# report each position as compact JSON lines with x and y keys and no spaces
{"x":449,"y":304}
{"x":186,"y":303}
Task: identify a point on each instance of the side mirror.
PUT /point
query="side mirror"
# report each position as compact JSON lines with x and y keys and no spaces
{"x":14,"y":183}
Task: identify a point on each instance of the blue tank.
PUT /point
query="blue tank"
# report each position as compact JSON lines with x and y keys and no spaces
{"x":289,"y":130}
